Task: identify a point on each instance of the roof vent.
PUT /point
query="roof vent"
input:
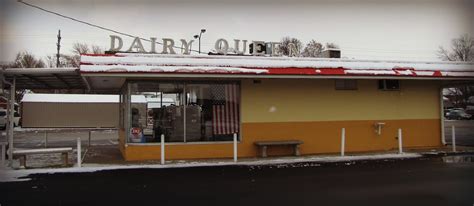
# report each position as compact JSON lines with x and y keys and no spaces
{"x":331,"y":53}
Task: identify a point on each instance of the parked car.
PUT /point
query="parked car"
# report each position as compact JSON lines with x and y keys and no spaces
{"x":458,"y":114}
{"x":470,"y":110}
{"x":3,"y":119}
{"x":446,"y":112}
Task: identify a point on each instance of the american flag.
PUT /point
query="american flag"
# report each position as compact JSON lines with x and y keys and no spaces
{"x":225,"y":109}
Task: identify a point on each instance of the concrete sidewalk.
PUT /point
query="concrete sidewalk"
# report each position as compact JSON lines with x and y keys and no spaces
{"x":111,"y":155}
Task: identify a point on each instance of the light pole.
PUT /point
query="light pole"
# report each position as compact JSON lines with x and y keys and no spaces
{"x":199,"y":37}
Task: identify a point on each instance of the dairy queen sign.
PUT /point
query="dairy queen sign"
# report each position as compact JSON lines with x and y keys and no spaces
{"x":221,"y":46}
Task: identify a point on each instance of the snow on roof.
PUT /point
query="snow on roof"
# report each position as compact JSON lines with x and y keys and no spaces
{"x":158,"y":100}
{"x":70,"y":98}
{"x":158,"y":63}
{"x":83,"y":98}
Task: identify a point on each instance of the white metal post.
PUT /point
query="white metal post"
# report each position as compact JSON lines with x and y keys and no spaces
{"x":235,"y":147}
{"x":45,"y":139}
{"x":453,"y":134}
{"x":441,"y":103}
{"x":79,"y":161}
{"x":343,"y":140}
{"x":400,"y":150}
{"x":162,"y":149}
{"x":10,"y":121}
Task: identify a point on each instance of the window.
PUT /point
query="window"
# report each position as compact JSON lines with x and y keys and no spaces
{"x":389,"y":84}
{"x":184,"y":111}
{"x":346,"y":84}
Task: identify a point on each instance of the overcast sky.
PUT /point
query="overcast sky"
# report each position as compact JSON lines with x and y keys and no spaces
{"x":383,"y":29}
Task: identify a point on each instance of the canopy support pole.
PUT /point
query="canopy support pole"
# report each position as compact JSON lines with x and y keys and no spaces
{"x":11,"y":124}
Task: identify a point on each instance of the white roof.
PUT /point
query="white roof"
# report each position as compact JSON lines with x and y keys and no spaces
{"x":84,"y":98}
{"x":71,"y":98}
{"x":157,"y":63}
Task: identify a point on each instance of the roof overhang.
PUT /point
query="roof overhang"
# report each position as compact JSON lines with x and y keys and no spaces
{"x":45,"y":78}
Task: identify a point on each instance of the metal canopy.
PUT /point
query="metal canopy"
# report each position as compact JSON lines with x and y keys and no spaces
{"x":45,"y":78}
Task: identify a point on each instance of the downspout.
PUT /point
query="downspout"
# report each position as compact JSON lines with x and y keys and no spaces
{"x":441,"y":101}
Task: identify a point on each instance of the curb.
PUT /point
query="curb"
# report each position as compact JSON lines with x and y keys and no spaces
{"x":444,"y":154}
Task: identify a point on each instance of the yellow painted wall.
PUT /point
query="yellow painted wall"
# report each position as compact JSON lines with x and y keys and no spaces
{"x":317,"y":100}
{"x":314,"y":112}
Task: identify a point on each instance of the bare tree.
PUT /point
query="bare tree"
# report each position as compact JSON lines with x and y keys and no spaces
{"x":74,"y":60}
{"x":332,"y":45}
{"x":80,"y":48}
{"x":27,"y":60}
{"x":97,"y":50}
{"x":313,"y":49}
{"x":462,"y":49}
{"x":285,"y":41}
{"x":64,"y":61}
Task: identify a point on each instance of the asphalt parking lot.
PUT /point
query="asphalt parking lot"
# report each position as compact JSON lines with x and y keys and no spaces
{"x":424,"y":181}
{"x":464,"y":131}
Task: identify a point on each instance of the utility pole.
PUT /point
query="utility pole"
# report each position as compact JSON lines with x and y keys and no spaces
{"x":58,"y":46}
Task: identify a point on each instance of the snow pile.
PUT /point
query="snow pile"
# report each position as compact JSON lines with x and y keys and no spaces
{"x":8,"y":175}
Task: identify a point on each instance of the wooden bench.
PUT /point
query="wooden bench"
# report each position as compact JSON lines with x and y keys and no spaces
{"x":21,"y":153}
{"x":264,"y":144}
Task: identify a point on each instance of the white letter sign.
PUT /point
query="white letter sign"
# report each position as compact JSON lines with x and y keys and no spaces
{"x":112,"y":43}
{"x":137,"y":44}
{"x":186,"y":46}
{"x":221,"y":49}
{"x":168,"y":44}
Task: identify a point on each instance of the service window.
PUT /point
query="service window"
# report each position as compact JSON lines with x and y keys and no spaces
{"x":389,"y":84}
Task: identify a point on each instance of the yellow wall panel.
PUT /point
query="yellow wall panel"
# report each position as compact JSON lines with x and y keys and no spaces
{"x":314,"y":112}
{"x":290,"y":100}
{"x":318,"y":137}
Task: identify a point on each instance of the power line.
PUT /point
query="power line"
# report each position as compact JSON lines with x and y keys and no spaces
{"x":91,"y":24}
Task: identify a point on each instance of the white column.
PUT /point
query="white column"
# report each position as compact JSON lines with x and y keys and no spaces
{"x":235,"y":147}
{"x":10,"y":121}
{"x":343,"y":140}
{"x":453,"y":134}
{"x":441,"y":104}
{"x":45,"y":139}
{"x":162,"y":149}
{"x":79,"y":159}
{"x":400,"y":150}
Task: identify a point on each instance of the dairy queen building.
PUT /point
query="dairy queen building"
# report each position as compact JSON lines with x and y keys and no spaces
{"x":303,"y":103}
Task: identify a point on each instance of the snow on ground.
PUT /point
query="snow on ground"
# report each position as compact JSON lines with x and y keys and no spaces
{"x":9,"y":175}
